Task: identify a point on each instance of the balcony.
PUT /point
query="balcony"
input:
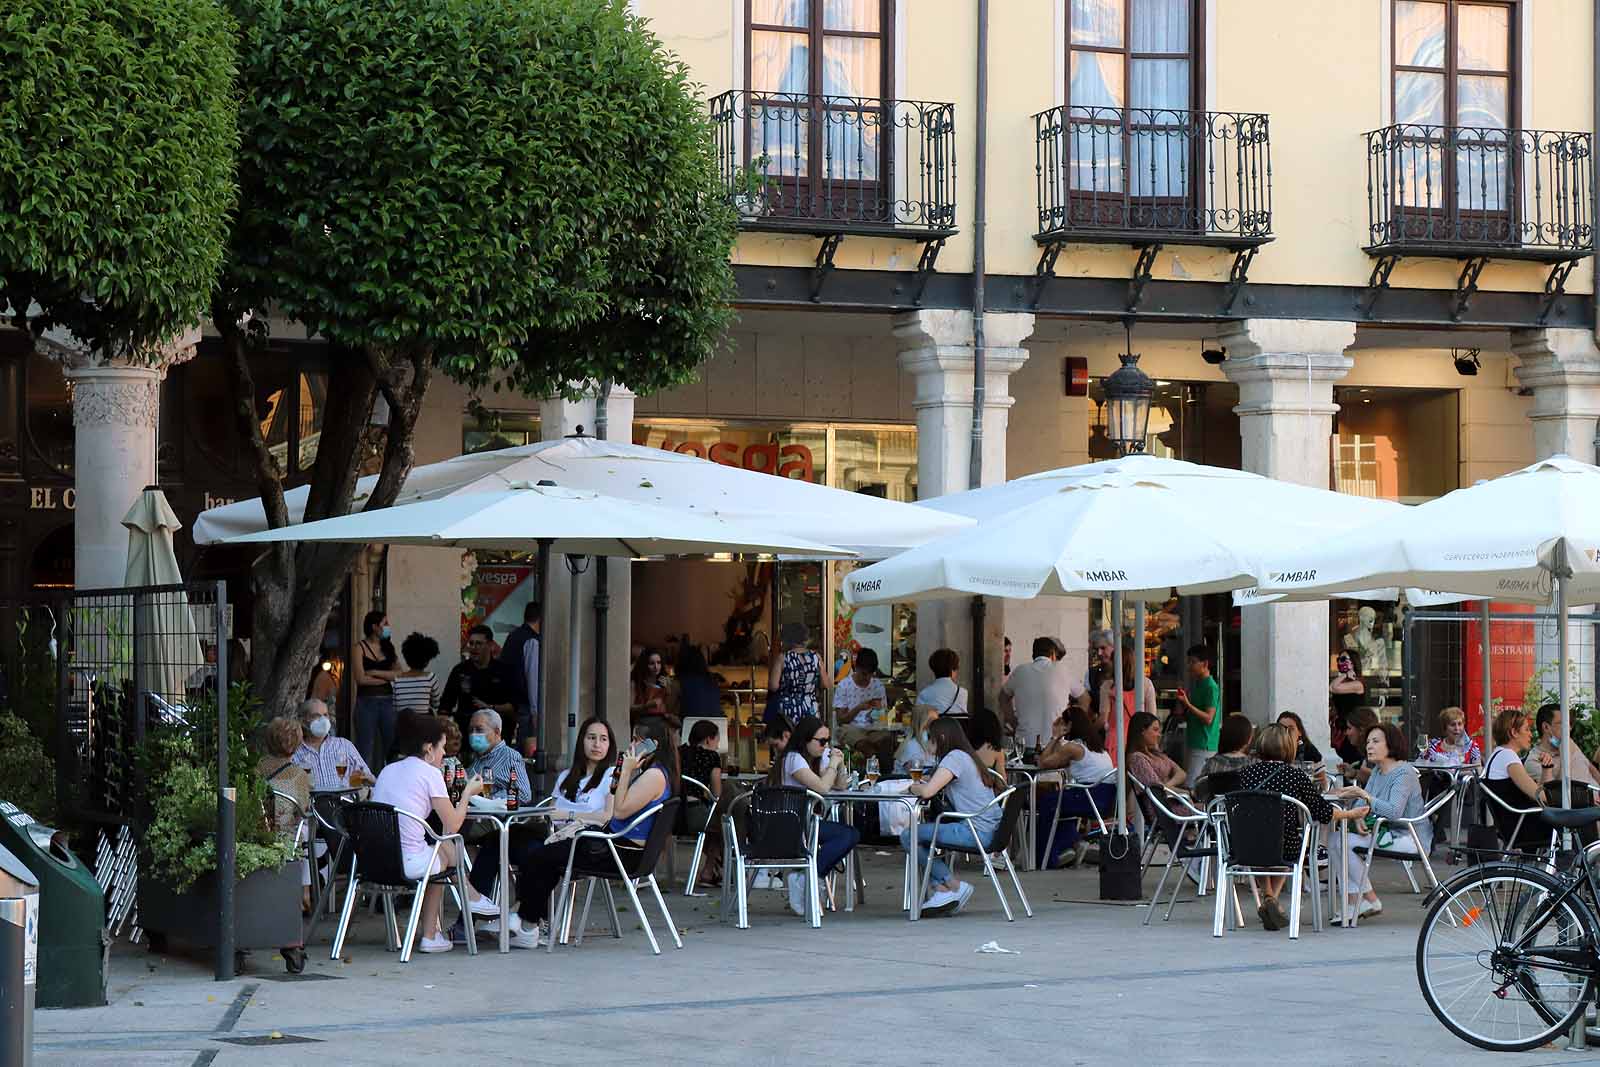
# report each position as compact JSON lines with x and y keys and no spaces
{"x":1469,"y":192}
{"x":1142,"y":175}
{"x":835,"y":165}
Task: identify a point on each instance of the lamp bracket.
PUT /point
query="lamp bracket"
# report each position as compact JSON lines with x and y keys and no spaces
{"x":824,"y":267}
{"x":1142,"y":268}
{"x":1377,"y":282}
{"x":1466,"y":285}
{"x":1554,"y":286}
{"x":1238,"y":274}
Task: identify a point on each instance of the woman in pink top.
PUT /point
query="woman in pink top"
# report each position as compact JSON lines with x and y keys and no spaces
{"x":416,"y":785}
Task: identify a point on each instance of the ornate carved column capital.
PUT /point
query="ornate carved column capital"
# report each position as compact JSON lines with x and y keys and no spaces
{"x":116,"y":388}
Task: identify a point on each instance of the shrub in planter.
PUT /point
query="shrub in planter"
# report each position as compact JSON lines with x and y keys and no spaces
{"x":27,"y":775}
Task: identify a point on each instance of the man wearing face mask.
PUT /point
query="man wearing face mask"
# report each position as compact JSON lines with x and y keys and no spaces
{"x":322,"y":753}
{"x":1544,"y":760}
{"x":493,"y":759}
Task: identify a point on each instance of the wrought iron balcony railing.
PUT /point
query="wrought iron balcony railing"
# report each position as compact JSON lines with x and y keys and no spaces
{"x":1143,"y":175}
{"x":1465,"y":191}
{"x":837,"y":164}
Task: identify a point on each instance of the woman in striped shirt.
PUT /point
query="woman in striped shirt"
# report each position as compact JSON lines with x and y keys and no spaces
{"x":416,"y":689}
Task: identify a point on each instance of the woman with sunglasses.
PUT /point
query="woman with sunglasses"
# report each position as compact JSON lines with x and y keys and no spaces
{"x":809,"y":763}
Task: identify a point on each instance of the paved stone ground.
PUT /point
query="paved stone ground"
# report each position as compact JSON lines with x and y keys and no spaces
{"x":1088,"y":985}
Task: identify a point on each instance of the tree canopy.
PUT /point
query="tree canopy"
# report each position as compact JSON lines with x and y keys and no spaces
{"x":117,"y":134}
{"x":516,"y":193}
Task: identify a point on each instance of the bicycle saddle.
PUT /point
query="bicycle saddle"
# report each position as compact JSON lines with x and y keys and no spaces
{"x":1570,"y":818}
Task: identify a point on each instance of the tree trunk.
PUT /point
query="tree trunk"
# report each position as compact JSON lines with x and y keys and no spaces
{"x":297,"y":585}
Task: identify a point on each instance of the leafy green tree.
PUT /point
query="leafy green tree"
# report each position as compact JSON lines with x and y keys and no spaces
{"x":515,"y":193}
{"x":117,"y":131}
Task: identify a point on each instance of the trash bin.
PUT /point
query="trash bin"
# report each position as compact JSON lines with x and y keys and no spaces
{"x":19,"y":959}
{"x":72,"y":913}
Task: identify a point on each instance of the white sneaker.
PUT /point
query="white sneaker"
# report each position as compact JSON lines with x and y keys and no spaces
{"x":775,"y":881}
{"x":941,"y":898}
{"x":1369,"y":907}
{"x":484,"y":906}
{"x":797,"y":893}
{"x":492,"y":926}
{"x":434,"y":944}
{"x":525,"y":938}
{"x":964,"y":893}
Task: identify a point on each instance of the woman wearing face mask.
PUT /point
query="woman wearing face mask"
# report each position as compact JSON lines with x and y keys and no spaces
{"x":648,"y":776}
{"x":375,"y":666}
{"x":416,"y":785}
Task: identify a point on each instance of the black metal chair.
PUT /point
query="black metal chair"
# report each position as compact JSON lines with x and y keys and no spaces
{"x":376,"y":859}
{"x":1250,"y":826}
{"x":776,"y":828}
{"x":1011,"y":802}
{"x":1509,"y":819}
{"x":604,"y":873}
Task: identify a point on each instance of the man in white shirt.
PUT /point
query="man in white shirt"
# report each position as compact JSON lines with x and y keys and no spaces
{"x":943,"y":695}
{"x":1036,"y":693}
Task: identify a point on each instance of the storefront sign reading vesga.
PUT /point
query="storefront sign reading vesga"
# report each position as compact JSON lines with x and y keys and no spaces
{"x":736,"y":448}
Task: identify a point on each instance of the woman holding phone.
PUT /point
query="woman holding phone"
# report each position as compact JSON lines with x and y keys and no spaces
{"x":647,"y":774}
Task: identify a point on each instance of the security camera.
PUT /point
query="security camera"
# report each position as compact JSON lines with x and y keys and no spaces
{"x":1214,"y":356}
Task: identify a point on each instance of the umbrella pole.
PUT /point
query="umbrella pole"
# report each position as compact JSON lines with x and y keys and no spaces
{"x":1138,"y":666}
{"x":1565,"y":696}
{"x":536,"y":725}
{"x":1484,"y":618}
{"x":574,"y":663}
{"x":1115,"y":712}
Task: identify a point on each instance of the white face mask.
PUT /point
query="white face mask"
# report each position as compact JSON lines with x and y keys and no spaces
{"x":321,"y":726}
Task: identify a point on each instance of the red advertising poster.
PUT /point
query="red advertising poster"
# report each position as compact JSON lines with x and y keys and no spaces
{"x":1512,"y":659}
{"x":497,"y":594}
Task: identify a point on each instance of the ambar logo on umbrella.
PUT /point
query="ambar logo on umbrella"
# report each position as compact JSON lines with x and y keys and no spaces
{"x":1281,"y":577}
{"x":1103,"y":577}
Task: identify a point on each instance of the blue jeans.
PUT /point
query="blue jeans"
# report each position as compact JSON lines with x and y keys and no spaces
{"x":959,"y":833}
{"x":375,"y":719}
{"x":1072,"y":803}
{"x":834,"y":842}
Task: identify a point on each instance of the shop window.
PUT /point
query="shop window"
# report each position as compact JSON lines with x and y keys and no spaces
{"x":1396,"y":444}
{"x":50,"y":413}
{"x":51,"y":566}
{"x":1191,"y":421}
{"x":308,"y":428}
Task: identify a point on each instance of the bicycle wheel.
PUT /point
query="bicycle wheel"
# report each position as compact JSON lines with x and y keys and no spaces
{"x":1501,"y":963}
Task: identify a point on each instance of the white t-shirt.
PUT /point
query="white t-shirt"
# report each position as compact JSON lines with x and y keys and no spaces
{"x":1040,"y":691}
{"x":847,"y":694}
{"x":792,"y":763}
{"x":589,"y":800}
{"x":944,"y":696}
{"x":911,"y":750}
{"x":1091,"y":768}
{"x":410,"y":785}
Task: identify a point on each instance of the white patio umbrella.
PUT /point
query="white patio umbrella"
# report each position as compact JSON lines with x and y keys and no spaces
{"x":572,"y":522}
{"x":1207,"y":523}
{"x":171,"y":642}
{"x":1531,"y":536}
{"x":867,"y":526}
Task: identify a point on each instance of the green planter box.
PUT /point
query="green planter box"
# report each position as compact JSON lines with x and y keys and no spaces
{"x":266,"y":910}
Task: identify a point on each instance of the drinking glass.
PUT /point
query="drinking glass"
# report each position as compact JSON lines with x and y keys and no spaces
{"x":916,"y":772}
{"x":342,"y":769}
{"x":873,"y":771}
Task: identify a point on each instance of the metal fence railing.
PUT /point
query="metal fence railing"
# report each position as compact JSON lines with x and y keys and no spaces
{"x":836,"y":163}
{"x":1476,"y":189}
{"x":1152,"y":173}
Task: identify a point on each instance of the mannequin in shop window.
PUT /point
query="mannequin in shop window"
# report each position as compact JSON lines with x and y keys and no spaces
{"x":1367,"y":645}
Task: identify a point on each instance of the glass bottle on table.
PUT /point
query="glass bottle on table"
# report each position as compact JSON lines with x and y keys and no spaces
{"x":511,"y":791}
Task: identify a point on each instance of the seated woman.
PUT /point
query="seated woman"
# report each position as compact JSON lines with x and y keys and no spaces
{"x":1233,"y":754}
{"x":989,"y":742}
{"x":700,"y":760}
{"x":415,"y":784}
{"x":648,"y":776}
{"x":1077,"y":746}
{"x":1505,"y":776}
{"x":808,"y":763}
{"x":1276,"y":773}
{"x":1304,"y":750}
{"x":1456,"y":747}
{"x":1393,"y":791}
{"x":277,"y":768}
{"x":1146,"y":762}
{"x":967,"y":787}
{"x":916,"y":748}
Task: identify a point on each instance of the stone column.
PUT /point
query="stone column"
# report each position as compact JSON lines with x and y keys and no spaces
{"x":1285,"y":370}
{"x":1562,"y":367}
{"x":936,"y":348}
{"x":115,"y":401}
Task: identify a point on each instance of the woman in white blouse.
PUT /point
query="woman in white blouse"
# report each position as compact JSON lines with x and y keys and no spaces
{"x":583,"y":791}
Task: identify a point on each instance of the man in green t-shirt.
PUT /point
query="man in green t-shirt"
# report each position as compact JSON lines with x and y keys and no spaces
{"x":1202,"y":707}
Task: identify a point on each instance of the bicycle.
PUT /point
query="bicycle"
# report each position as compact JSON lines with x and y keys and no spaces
{"x":1509,"y":952}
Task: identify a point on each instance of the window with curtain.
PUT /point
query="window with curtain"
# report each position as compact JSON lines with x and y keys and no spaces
{"x":817,"y":73}
{"x":1454,"y":66}
{"x":1130,"y":83}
